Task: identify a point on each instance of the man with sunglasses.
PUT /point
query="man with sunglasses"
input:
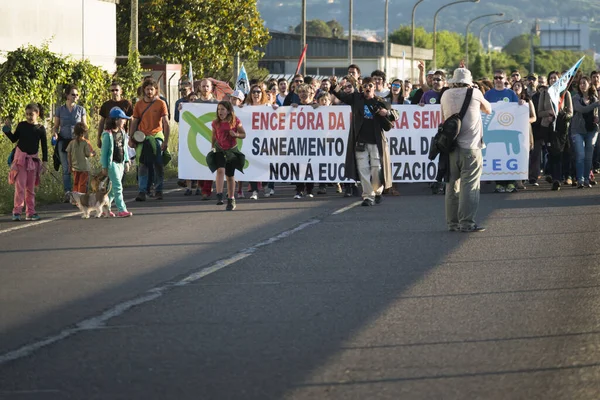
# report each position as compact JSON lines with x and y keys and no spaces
{"x":292,"y":97}
{"x":367,"y":155}
{"x":116,"y":100}
{"x":433,"y":96}
{"x":515,"y":76}
{"x":499,"y":93}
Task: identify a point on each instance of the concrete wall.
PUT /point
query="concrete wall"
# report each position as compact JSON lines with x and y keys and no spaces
{"x":80,"y":28}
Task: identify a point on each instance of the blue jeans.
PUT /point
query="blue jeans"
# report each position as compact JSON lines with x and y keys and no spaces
{"x":583,"y":144}
{"x":159,"y":172}
{"x":64,"y":162}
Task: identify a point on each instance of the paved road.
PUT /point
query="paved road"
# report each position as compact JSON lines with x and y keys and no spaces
{"x":286,"y":299}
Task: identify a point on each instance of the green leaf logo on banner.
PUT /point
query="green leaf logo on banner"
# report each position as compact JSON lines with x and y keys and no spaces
{"x":198,"y":127}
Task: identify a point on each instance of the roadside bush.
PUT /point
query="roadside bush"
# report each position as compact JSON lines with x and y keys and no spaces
{"x":35,"y":74}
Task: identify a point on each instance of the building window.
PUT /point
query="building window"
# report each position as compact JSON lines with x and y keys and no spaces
{"x":312,"y":71}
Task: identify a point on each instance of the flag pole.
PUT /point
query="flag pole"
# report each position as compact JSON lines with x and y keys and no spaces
{"x":301,"y":60}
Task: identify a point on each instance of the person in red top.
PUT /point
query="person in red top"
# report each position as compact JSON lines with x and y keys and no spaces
{"x":226,"y":129}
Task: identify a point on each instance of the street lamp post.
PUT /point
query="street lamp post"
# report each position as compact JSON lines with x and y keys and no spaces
{"x":435,"y":25}
{"x":506,"y":21}
{"x":489,"y":44}
{"x":412,"y":42}
{"x":467,"y":34}
{"x":350,"y":34}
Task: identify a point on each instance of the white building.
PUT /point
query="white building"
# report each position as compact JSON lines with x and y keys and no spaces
{"x":329,"y":56}
{"x":79,"y":28}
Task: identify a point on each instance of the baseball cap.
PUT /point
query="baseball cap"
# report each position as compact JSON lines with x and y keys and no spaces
{"x":238,"y":94}
{"x":116,"y":112}
{"x":431,"y":72}
{"x":532,"y":76}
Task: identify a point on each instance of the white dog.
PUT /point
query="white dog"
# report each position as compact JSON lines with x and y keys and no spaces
{"x":97,"y":200}
{"x":88,"y":202}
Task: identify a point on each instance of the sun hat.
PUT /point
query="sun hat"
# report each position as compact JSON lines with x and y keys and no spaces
{"x":462,"y":75}
{"x":238,"y":94}
{"x":116,"y":112}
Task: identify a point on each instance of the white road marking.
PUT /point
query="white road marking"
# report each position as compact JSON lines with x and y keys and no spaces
{"x":341,"y":210}
{"x":59,"y":217}
{"x":99,"y":321}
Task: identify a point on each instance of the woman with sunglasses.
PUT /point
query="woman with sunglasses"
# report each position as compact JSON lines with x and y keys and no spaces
{"x":65,"y":119}
{"x":396,"y":95}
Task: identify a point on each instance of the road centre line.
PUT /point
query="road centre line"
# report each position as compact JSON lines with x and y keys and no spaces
{"x":99,"y":321}
{"x":341,"y":210}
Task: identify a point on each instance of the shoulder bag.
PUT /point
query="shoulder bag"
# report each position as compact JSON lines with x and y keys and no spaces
{"x":444,"y":140}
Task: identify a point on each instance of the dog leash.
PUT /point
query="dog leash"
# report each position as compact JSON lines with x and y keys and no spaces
{"x":52,"y":175}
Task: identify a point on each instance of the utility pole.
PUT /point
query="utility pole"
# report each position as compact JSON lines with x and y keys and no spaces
{"x":350,"y":35}
{"x":133,"y":36}
{"x":82,"y":29}
{"x":386,"y":44}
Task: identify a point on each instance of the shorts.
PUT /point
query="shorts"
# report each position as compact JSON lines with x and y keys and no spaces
{"x":221,"y":163}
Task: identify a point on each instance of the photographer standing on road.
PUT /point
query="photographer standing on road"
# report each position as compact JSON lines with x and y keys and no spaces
{"x":466,"y":161}
{"x":367,"y":156}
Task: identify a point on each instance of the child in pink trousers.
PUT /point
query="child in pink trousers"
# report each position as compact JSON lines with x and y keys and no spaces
{"x":26,"y":168}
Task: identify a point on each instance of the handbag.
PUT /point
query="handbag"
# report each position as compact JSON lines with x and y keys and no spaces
{"x":56,"y":158}
{"x":11,"y":156}
{"x":444,"y":140}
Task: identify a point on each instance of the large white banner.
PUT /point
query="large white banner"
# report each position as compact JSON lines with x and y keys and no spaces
{"x":305,"y":144}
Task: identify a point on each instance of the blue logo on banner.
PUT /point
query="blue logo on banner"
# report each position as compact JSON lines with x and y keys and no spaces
{"x":510,"y":138}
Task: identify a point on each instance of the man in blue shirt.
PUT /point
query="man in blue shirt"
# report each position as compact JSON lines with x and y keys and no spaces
{"x":500,"y":93}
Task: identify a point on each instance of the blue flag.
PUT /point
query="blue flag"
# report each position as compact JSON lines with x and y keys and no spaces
{"x":242,"y":81}
{"x":562,"y":84}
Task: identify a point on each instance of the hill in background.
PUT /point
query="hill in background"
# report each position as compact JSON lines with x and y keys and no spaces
{"x":280,"y":15}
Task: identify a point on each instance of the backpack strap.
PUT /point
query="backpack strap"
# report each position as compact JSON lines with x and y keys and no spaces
{"x":466,"y":103}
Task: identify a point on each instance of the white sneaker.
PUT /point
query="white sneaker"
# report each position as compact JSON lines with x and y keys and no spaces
{"x":298,"y":195}
{"x":270,"y":192}
{"x":254,"y":195}
{"x":310,"y":195}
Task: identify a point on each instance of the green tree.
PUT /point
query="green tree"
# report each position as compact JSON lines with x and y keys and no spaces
{"x":403,"y":35}
{"x":206,"y":32}
{"x":479,"y":66}
{"x":337,"y":30}
{"x":129,"y":75}
{"x":449,"y":49}
{"x":316,"y":27}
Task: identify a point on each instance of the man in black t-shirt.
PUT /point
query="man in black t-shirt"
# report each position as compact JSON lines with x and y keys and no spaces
{"x":367,"y":155}
{"x":116,"y":100}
